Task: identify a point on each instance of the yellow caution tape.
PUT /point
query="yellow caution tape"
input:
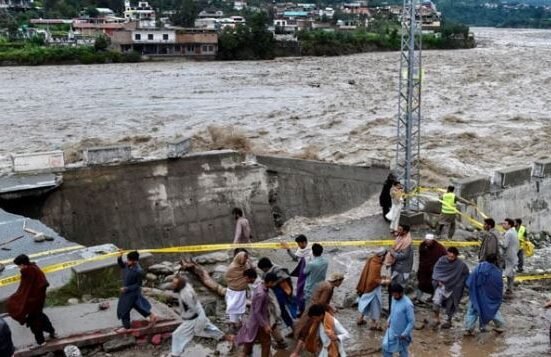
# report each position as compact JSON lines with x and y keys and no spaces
{"x":262,"y":245}
{"x":58,"y":267}
{"x":523,"y":278}
{"x":48,"y":252}
{"x":214,"y":247}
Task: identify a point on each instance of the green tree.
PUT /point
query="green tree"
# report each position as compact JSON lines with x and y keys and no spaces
{"x":185,"y":14}
{"x":9,"y":24}
{"x":102,"y":43}
{"x":91,"y":11}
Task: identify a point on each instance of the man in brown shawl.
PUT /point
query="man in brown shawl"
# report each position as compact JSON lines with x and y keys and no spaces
{"x":236,"y":292}
{"x":27,"y":303}
{"x":369,"y":290}
{"x":429,"y":252}
{"x":323,"y":293}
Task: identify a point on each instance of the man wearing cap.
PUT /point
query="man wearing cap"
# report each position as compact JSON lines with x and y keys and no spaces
{"x":429,"y":252}
{"x":369,"y":290}
{"x":323,"y":293}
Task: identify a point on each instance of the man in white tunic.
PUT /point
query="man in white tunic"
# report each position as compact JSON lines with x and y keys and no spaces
{"x":194,"y":320}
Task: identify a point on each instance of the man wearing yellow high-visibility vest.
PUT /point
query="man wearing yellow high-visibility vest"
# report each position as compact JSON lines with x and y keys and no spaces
{"x":521,"y":234}
{"x":448,"y":212}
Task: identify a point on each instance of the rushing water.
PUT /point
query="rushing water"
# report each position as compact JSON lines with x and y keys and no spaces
{"x":482,"y":108}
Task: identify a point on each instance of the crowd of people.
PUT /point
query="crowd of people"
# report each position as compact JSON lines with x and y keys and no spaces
{"x":266,"y":302}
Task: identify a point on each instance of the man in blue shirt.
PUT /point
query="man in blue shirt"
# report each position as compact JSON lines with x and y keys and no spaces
{"x":398,"y":335}
{"x":315,"y":271}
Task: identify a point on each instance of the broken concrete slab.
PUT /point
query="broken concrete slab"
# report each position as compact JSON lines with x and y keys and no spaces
{"x":471,"y":187}
{"x":514,"y":176}
{"x":25,"y":185}
{"x":412,"y":218}
{"x":85,"y":324}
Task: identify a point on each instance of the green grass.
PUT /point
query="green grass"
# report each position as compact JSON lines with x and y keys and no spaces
{"x":100,"y":284}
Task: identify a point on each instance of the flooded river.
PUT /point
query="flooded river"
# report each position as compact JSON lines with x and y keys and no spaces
{"x":483,"y":108}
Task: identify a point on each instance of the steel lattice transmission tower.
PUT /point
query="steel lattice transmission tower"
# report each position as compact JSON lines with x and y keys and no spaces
{"x":409,"y":102}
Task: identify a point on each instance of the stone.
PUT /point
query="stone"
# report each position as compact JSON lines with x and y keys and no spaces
{"x":156,"y":339}
{"x":224,"y":348}
{"x":351,"y":82}
{"x":119,"y":344}
{"x":349,"y":300}
{"x":219,"y":274}
{"x":160,"y":269}
{"x":169,"y":278}
{"x":39,"y":238}
{"x":212,"y":258}
{"x":73,"y":301}
{"x":209,"y":305}
{"x":419,"y":325}
{"x":150,"y":277}
{"x":72,"y":351}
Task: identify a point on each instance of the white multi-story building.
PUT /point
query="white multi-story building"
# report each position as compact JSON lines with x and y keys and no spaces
{"x":143,"y":14}
{"x":154,"y":36}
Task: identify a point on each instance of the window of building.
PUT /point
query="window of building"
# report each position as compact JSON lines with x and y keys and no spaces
{"x":211,"y":48}
{"x":205,"y":48}
{"x":150,"y":36}
{"x":190,"y":48}
{"x":137,"y":37}
{"x":165,"y":36}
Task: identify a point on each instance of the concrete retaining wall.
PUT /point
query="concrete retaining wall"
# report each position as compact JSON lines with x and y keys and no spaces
{"x":189,"y":200}
{"x":313,"y":188}
{"x":514,"y":193}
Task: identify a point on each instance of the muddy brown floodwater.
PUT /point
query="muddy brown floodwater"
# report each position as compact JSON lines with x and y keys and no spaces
{"x":483,"y":108}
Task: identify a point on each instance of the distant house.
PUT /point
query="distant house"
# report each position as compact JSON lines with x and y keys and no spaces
{"x":239,"y":5}
{"x":210,"y":14}
{"x":192,"y":43}
{"x":88,"y":29}
{"x":16,"y":4}
{"x":208,"y":23}
{"x":356,"y":8}
{"x":105,"y":12}
{"x":295,"y":14}
{"x":143,"y":14}
{"x":328,"y":12}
